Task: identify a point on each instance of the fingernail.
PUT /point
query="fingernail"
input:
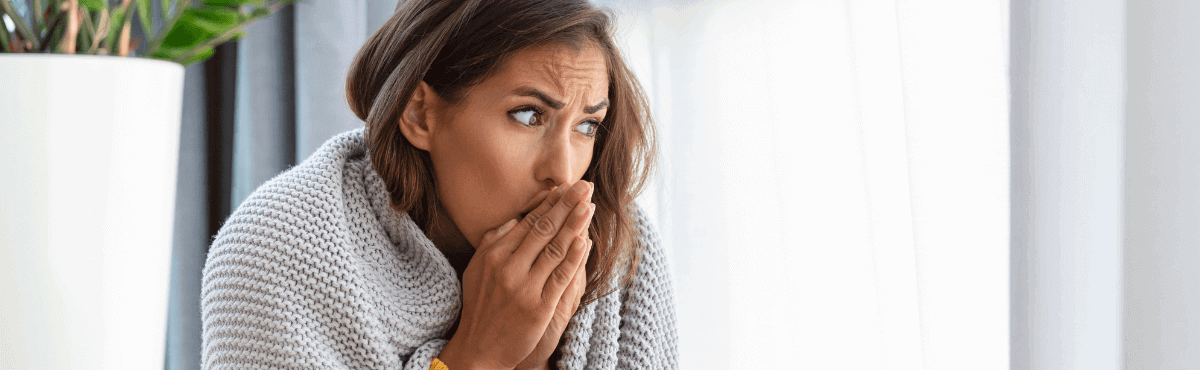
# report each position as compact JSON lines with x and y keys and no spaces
{"x":582,"y":189}
{"x":507,"y":225}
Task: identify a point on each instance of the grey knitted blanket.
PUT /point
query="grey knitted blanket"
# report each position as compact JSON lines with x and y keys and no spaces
{"x":316,"y":270}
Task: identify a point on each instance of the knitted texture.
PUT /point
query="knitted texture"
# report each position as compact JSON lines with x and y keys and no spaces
{"x":316,"y":270}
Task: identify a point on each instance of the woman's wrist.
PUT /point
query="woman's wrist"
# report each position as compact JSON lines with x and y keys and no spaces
{"x":456,"y":358}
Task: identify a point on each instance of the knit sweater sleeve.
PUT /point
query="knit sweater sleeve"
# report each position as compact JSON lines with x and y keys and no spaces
{"x":648,"y":331}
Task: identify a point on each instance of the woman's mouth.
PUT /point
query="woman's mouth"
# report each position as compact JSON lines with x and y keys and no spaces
{"x":533,"y":203}
{"x":526,"y":213}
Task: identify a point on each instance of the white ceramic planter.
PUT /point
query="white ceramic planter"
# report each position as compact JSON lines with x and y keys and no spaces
{"x":88,"y":152}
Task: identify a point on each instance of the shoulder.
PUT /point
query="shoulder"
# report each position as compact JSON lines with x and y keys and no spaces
{"x":289,"y":222}
{"x":648,"y":320}
{"x":302,"y":202}
{"x":654,"y":263}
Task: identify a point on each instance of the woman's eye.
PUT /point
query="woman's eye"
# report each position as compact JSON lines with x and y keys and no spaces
{"x":588,"y":127}
{"x":526,"y":116}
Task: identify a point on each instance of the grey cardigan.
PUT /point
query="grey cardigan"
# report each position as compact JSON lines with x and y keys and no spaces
{"x":316,"y":270}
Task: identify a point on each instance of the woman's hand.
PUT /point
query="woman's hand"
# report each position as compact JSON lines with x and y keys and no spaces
{"x":538,"y":359}
{"x":514,"y":283}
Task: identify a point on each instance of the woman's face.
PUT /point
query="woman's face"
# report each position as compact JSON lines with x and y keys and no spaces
{"x":527,"y":128}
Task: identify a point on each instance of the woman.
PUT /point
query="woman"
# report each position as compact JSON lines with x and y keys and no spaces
{"x":482,"y":220}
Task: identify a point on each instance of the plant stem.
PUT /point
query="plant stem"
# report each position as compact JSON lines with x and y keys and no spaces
{"x":86,"y":26}
{"x":50,"y":31}
{"x":26,"y":33}
{"x":68,"y":42}
{"x":38,"y":19}
{"x":101,"y":31}
{"x":116,"y":22}
{"x":4,"y":38}
{"x":276,"y":6}
{"x":162,"y":35}
{"x":18,"y":45}
{"x":85,"y":30}
{"x":123,"y":39}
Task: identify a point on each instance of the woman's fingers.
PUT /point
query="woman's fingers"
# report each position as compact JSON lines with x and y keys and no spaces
{"x":552,"y":255}
{"x":518,"y":232}
{"x":562,"y":275}
{"x":540,"y":240}
{"x":568,"y":303}
{"x":490,"y":237}
{"x":570,"y":299}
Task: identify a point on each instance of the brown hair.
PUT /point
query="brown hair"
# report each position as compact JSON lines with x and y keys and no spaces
{"x":453,"y":45}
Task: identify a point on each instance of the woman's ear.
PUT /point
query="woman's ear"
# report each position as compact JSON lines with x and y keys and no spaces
{"x":415,"y":119}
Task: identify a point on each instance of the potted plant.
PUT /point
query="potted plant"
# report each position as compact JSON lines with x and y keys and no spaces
{"x":89,"y":138}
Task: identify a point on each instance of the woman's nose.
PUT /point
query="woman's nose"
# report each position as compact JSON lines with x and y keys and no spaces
{"x":554,"y":163}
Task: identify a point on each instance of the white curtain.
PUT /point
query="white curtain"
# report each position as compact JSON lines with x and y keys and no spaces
{"x":833,"y":190}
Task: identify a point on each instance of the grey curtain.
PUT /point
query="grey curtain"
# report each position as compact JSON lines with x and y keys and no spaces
{"x":259,"y":106}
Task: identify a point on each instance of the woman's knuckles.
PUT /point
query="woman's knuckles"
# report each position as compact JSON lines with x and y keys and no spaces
{"x":556,"y":250}
{"x":493,"y":258}
{"x":544,"y":227}
{"x":562,"y":276}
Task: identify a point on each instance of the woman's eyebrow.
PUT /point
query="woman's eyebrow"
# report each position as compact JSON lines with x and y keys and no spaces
{"x":527,"y":91}
{"x":596,"y":108}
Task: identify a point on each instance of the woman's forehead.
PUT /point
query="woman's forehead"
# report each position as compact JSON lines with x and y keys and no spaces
{"x":565,"y":72}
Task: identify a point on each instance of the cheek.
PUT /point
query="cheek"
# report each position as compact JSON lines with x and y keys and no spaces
{"x":479,"y":168}
{"x":584,"y":157}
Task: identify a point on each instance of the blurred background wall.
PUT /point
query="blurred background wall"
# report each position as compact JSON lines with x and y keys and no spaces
{"x":1105,"y":184}
{"x":1162,"y":185}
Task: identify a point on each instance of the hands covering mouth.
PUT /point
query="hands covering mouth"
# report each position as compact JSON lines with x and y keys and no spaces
{"x":524,"y":284}
{"x":535,"y":201}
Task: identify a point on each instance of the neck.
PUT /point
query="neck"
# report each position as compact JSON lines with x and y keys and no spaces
{"x":450,"y":241}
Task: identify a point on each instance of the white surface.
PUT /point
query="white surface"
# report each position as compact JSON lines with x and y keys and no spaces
{"x":834,"y":185}
{"x":89,"y":150}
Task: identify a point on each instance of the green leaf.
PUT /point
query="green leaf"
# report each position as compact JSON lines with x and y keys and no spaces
{"x":200,"y":56}
{"x":39,"y":18}
{"x":55,"y":34}
{"x":92,"y":4}
{"x":169,"y":53}
{"x":165,"y":10}
{"x":86,"y":26}
{"x":4,"y":38}
{"x":82,"y":40}
{"x":115,"y":23}
{"x":143,"y":11}
{"x":222,"y":16}
{"x":260,"y":12}
{"x":196,"y":26}
{"x":232,"y":2}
